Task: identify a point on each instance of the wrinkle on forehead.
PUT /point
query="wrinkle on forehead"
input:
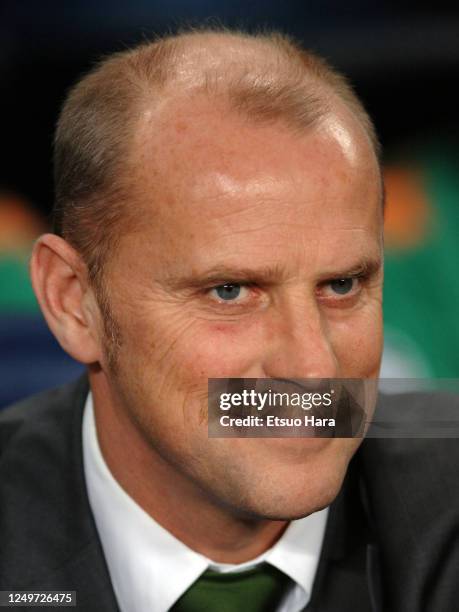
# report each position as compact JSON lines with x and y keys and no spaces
{"x":193,"y":152}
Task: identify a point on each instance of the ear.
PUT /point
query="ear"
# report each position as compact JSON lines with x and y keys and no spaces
{"x":59,"y":279}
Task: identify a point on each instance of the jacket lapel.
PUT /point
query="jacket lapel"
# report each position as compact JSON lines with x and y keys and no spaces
{"x":347,"y":577}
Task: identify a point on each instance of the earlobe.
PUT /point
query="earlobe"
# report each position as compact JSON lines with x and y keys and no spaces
{"x":59,"y":280}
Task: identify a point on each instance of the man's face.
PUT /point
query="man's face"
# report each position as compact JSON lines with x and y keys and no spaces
{"x":279,"y":218}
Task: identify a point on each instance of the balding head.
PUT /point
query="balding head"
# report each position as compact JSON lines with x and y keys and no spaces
{"x":263,"y":78}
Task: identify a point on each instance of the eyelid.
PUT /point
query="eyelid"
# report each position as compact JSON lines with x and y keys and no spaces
{"x":226,"y":282}
{"x":359,"y":275}
{"x":361,"y":272}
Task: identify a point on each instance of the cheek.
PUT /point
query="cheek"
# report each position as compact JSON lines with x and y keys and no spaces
{"x":357,"y":344}
{"x":219,"y":349}
{"x":185,"y":352}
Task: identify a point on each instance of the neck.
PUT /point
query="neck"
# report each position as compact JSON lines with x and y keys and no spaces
{"x":169,"y":496}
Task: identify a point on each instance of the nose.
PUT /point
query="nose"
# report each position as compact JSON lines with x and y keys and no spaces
{"x":299,"y":344}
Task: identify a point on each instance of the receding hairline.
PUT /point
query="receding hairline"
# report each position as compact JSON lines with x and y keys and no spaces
{"x":208,"y":61}
{"x":98,"y":121}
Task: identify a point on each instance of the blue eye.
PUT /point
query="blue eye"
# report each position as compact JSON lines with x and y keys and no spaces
{"x":342,"y":285}
{"x":228,"y":292}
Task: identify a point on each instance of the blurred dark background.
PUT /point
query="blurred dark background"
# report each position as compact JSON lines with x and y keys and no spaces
{"x":403,"y":59}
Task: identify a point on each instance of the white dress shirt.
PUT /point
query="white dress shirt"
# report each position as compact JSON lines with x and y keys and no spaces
{"x":150,"y":569}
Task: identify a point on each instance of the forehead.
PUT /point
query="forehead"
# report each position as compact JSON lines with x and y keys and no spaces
{"x":200,"y":169}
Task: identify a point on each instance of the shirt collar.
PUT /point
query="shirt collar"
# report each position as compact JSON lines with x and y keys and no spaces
{"x":296,"y":553}
{"x":150,"y":568}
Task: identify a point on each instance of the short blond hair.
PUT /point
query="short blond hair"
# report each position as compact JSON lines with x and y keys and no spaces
{"x":97,"y":122}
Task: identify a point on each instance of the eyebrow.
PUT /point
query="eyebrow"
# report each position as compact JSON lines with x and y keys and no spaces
{"x":264,"y":276}
{"x":367,"y":266}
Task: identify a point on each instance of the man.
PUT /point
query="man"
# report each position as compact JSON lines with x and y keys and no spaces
{"x":218,"y":214}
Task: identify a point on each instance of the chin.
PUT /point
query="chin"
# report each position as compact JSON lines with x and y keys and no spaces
{"x":303,"y":491}
{"x":292,"y":507}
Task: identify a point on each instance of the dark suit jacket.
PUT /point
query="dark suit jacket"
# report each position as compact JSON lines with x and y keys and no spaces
{"x":391,"y":543}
